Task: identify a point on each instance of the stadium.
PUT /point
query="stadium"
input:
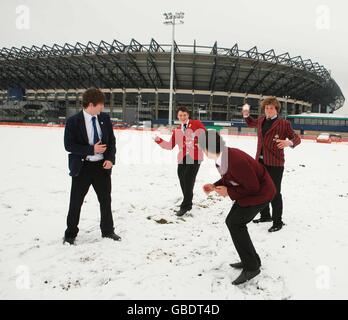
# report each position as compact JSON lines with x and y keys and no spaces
{"x":46,"y":83}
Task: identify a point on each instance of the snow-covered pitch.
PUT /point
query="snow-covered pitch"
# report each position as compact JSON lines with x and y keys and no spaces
{"x":162,"y":256}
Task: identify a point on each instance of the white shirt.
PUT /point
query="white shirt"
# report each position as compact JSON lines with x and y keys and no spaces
{"x":90,"y":134}
{"x":218,"y":160}
{"x":273,"y":117}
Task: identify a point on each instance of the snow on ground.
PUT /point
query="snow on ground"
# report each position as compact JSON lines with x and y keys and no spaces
{"x":182,"y":258}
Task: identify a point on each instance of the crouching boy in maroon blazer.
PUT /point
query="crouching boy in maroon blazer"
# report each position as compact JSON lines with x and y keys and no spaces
{"x":248,"y":183}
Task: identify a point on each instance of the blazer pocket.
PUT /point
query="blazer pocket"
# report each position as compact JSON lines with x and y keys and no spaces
{"x":75,"y":164}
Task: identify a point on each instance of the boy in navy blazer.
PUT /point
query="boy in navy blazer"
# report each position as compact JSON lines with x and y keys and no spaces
{"x":91,"y":143}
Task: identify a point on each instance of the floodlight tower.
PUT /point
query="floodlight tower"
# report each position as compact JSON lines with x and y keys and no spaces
{"x":172,"y":19}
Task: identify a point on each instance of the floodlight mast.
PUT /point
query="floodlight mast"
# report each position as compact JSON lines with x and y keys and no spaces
{"x":172,"y":19}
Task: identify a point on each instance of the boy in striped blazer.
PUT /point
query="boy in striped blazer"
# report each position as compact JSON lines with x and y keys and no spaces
{"x":185,"y":136}
{"x":274,"y":135}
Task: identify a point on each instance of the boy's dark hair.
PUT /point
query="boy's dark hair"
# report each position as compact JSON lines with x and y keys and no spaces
{"x":182,"y":109}
{"x":92,"y":95}
{"x":211,"y":141}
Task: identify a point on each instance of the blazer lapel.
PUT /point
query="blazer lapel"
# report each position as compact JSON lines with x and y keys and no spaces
{"x":259,"y":127}
{"x":83,"y":127}
{"x":260,"y":123}
{"x":102,"y":127}
{"x":189,"y":125}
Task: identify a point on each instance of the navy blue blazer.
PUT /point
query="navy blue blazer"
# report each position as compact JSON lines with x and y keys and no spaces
{"x":76,"y":141}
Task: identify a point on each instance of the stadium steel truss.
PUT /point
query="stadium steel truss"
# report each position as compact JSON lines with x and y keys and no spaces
{"x":139,"y":67}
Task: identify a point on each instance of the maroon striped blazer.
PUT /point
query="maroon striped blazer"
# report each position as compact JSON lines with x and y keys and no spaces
{"x":281,"y":129}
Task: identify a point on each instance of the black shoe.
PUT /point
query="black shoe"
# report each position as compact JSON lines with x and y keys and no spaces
{"x":238,"y":265}
{"x":246,"y":276}
{"x":69,"y":240}
{"x":181,"y":212}
{"x":112,"y":236}
{"x":276,"y":227}
{"x":261,"y":220}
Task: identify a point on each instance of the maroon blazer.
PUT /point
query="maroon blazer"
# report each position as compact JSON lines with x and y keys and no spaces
{"x":247,"y":180}
{"x":187,"y":142}
{"x":281,"y":129}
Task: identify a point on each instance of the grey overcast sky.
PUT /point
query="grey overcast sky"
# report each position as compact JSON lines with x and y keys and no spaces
{"x":315,"y":29}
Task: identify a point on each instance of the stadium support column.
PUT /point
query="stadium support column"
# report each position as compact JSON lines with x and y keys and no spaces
{"x":301,"y":108}
{"x":156,"y":105}
{"x":55,"y":99}
{"x":139,"y":106}
{"x":285,"y":106}
{"x":71,"y":105}
{"x":67,"y":113}
{"x":35,"y":96}
{"x":211,"y":101}
{"x":124,"y":103}
{"x":111,"y":104}
{"x":77,"y":102}
{"x":228,"y":109}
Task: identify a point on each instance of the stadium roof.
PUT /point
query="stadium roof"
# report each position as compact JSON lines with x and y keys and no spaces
{"x":135,"y":65}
